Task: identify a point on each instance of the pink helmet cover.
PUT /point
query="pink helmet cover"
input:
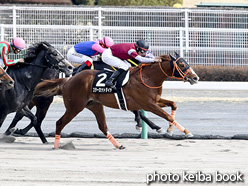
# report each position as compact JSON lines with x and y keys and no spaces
{"x":107,"y":41}
{"x":18,"y":42}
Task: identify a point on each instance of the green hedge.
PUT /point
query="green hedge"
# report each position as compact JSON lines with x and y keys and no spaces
{"x":221,"y":73}
{"x":128,"y":2}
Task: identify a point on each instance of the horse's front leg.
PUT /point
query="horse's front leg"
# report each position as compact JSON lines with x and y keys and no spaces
{"x":33,"y":119}
{"x":19,"y":115}
{"x":156,"y":109}
{"x":42,"y":105}
{"x":167,"y":103}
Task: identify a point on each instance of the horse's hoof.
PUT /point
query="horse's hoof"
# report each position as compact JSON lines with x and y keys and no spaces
{"x":169,"y":132}
{"x":121,"y":147}
{"x":18,"y":132}
{"x":160,"y":131}
{"x":12,"y":130}
{"x":7,"y":139}
{"x":189,"y":135}
{"x":139,"y":129}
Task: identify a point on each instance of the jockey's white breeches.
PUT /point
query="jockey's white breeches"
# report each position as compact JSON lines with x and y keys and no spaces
{"x":108,"y":58}
{"x":2,"y":63}
{"x":75,"y":57}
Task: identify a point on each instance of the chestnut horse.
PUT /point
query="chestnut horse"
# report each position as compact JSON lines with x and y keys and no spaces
{"x":142,"y":91}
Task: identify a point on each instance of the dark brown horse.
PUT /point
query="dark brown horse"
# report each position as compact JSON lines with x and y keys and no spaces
{"x":42,"y":105}
{"x":143,"y":91}
{"x":6,"y":82}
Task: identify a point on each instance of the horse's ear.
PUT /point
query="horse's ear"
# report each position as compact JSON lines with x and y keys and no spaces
{"x":177,"y":55}
{"x":45,"y":45}
{"x":172,"y":57}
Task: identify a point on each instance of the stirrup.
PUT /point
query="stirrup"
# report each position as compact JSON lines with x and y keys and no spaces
{"x":110,"y":84}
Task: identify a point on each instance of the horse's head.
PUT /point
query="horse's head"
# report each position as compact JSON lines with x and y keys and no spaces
{"x":182,"y":70}
{"x":5,"y":80}
{"x":57,"y":61}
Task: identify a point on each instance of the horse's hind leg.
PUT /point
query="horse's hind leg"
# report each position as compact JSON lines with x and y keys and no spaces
{"x":138,"y":120}
{"x":98,"y":111}
{"x":62,"y":122}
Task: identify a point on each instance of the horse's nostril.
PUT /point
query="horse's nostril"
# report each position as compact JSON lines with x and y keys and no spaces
{"x":195,"y":78}
{"x":11,"y":82}
{"x":70,"y":68}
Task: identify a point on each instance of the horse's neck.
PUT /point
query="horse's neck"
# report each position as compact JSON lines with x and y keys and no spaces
{"x":155,"y":74}
{"x":29,"y":76}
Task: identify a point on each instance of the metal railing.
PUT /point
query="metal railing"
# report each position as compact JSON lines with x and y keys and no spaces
{"x":201,"y":36}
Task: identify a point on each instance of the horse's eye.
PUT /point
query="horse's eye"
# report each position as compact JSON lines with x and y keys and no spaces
{"x":182,"y":65}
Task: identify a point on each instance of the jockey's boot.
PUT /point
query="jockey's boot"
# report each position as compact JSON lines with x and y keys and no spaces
{"x":80,"y":68}
{"x":111,"y":81}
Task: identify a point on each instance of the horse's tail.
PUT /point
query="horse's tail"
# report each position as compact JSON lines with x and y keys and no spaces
{"x":49,"y":88}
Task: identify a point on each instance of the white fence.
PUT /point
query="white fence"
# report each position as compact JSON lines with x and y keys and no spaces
{"x":201,"y":36}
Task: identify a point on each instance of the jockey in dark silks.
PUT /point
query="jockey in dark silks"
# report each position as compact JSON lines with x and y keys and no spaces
{"x":135,"y":62}
{"x":117,"y":56}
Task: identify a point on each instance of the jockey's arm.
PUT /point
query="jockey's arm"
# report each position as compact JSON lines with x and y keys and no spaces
{"x":144,"y":59}
{"x":149,"y":54}
{"x":98,"y":48}
{"x":21,"y":60}
{"x":6,"y":60}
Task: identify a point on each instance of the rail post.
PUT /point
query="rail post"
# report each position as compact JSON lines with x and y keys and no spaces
{"x":144,"y":132}
{"x":2,"y":32}
{"x":14,"y":20}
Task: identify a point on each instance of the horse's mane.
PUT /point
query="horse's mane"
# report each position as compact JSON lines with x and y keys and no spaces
{"x":33,"y":50}
{"x":165,"y":57}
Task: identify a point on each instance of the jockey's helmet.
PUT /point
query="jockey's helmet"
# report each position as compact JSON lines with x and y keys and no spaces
{"x":18,"y":43}
{"x":142,"y":46}
{"x":106,"y":42}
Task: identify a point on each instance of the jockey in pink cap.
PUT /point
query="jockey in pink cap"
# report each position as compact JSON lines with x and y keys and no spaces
{"x":15,"y":47}
{"x":82,"y":53}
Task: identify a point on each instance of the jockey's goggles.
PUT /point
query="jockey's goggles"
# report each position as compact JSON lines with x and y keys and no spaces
{"x":142,"y":50}
{"x":16,"y":49}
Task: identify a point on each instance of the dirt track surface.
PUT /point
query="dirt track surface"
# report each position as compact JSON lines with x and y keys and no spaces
{"x":27,"y":162}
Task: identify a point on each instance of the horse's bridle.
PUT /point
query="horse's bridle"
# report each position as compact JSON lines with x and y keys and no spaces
{"x":1,"y":75}
{"x":181,"y":73}
{"x":51,"y":65}
{"x":175,"y":68}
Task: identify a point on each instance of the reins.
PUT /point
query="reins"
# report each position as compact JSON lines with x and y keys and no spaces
{"x":176,"y":67}
{"x":2,"y":74}
{"x":42,"y":66}
{"x":142,"y":81}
